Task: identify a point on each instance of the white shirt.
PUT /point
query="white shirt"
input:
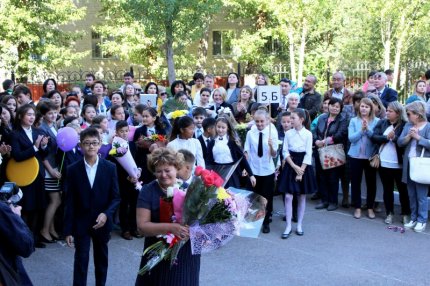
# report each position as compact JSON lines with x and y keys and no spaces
{"x":206,"y":139}
{"x":298,"y":141}
{"x":388,"y":154}
{"x":337,"y":94}
{"x":91,"y":171}
{"x":29,"y":132}
{"x":261,"y":166}
{"x":221,"y":152}
{"x":197,"y":133}
{"x":192,"y":145}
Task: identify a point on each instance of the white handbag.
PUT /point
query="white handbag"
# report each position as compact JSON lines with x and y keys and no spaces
{"x":419,"y":169}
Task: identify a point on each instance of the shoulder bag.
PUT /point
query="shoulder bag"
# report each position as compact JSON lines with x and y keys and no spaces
{"x":331,"y":156}
{"x":418,"y":169}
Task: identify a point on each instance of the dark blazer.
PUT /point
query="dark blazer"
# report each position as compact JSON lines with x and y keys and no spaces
{"x":83,"y":204}
{"x":388,"y":96}
{"x":16,"y":240}
{"x":338,"y":129}
{"x":51,"y":156}
{"x":236,"y":154}
{"x":23,"y":149}
{"x":204,"y":148}
{"x":379,"y":138}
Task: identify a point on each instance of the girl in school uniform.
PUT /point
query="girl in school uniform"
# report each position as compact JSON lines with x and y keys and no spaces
{"x":30,"y":142}
{"x":151,"y":125}
{"x":88,"y":113}
{"x":297,"y":175}
{"x":260,"y":150}
{"x":182,"y":138}
{"x":226,"y":150}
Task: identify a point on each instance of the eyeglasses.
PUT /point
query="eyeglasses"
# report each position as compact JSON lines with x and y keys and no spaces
{"x":93,"y":143}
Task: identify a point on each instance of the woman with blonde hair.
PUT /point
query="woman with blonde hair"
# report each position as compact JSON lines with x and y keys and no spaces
{"x":416,"y":138}
{"x":360,"y":131}
{"x":242,"y":107}
{"x":219,"y":96}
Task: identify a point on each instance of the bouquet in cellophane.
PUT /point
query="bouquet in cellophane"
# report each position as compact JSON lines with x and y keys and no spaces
{"x":168,"y":246}
{"x":120,"y":151}
{"x":213,"y":213}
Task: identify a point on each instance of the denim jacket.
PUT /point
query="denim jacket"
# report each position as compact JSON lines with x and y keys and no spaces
{"x":356,"y":135}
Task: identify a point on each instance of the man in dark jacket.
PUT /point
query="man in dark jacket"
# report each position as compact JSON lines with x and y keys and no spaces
{"x":309,"y":98}
{"x":16,"y":240}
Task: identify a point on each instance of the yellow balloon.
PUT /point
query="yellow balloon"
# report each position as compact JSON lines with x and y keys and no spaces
{"x":22,"y":173}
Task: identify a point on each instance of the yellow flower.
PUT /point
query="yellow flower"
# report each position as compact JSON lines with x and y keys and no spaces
{"x":179,"y":113}
{"x":222,"y":194}
{"x":112,"y":152}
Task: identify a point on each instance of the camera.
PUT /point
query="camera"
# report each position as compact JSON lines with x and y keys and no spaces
{"x":10,"y":193}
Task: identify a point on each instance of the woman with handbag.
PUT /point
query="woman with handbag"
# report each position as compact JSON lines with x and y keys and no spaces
{"x":330,"y":134}
{"x":360,"y":130}
{"x":416,"y":138}
{"x":389,"y":159}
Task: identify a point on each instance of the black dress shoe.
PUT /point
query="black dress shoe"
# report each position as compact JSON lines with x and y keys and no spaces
{"x":321,"y":206}
{"x":266,"y":228}
{"x":286,"y":235}
{"x":315,"y":197}
{"x":332,"y":207}
{"x":60,"y":237}
{"x":45,"y":240}
{"x":136,"y":234}
{"x":39,"y":245}
{"x":299,"y":233}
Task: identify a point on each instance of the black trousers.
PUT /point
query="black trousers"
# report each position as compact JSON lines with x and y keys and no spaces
{"x":357,"y":168}
{"x":82,"y":255}
{"x":265,"y":187}
{"x":127,"y":208}
{"x":328,"y":182}
{"x":390,"y":176}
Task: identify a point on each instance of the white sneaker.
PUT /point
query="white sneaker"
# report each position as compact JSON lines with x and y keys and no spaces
{"x":420,"y":227}
{"x":389,"y":219}
{"x":411,"y":224}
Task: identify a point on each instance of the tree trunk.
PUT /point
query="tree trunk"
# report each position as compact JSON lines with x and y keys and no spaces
{"x":22,"y":68}
{"x":302,"y":53}
{"x":386,"y":41}
{"x":399,"y":46}
{"x":171,"y":74}
{"x":203,"y":49}
{"x":292,"y":54}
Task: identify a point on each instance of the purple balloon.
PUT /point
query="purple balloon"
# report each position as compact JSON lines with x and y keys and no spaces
{"x":67,"y":139}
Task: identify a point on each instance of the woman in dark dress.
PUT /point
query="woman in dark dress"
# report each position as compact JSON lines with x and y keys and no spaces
{"x":164,"y":163}
{"x":29,"y":142}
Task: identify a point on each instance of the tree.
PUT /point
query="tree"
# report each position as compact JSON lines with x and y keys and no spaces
{"x":170,"y":25}
{"x":33,"y":35}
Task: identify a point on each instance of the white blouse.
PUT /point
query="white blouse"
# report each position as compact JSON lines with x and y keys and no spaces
{"x":192,"y":145}
{"x":261,"y":166}
{"x":388,"y":154}
{"x":298,"y":141}
{"x":221,"y":152}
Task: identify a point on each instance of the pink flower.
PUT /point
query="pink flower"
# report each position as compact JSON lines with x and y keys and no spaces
{"x":198,"y":170}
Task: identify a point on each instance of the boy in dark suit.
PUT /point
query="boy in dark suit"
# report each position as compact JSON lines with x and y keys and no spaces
{"x":208,"y":134}
{"x":92,"y":197}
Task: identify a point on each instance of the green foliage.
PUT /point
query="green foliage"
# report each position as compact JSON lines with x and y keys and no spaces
{"x":33,"y":35}
{"x":143,"y":31}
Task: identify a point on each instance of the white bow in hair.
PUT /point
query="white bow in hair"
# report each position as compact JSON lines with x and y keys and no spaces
{"x":225,"y":110}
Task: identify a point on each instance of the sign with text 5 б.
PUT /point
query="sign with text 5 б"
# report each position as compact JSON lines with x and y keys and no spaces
{"x":268,"y":94}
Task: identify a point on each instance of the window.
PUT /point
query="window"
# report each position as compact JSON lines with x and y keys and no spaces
{"x":273,"y":46}
{"x":96,"y":48}
{"x":221,"y":42}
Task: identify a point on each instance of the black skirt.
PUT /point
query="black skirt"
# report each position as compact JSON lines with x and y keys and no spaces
{"x":185,"y":273}
{"x":287,"y":182}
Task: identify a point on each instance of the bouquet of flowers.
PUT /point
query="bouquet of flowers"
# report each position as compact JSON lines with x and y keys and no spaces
{"x":174,"y":108}
{"x":154,"y":138}
{"x":213,"y":213}
{"x":177,"y":113}
{"x":120,"y":151}
{"x":168,"y":246}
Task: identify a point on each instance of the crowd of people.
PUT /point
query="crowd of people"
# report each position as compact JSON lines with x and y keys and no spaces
{"x":377,"y":134}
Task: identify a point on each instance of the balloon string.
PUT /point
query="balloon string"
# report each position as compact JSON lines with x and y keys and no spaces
{"x":61,"y":167}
